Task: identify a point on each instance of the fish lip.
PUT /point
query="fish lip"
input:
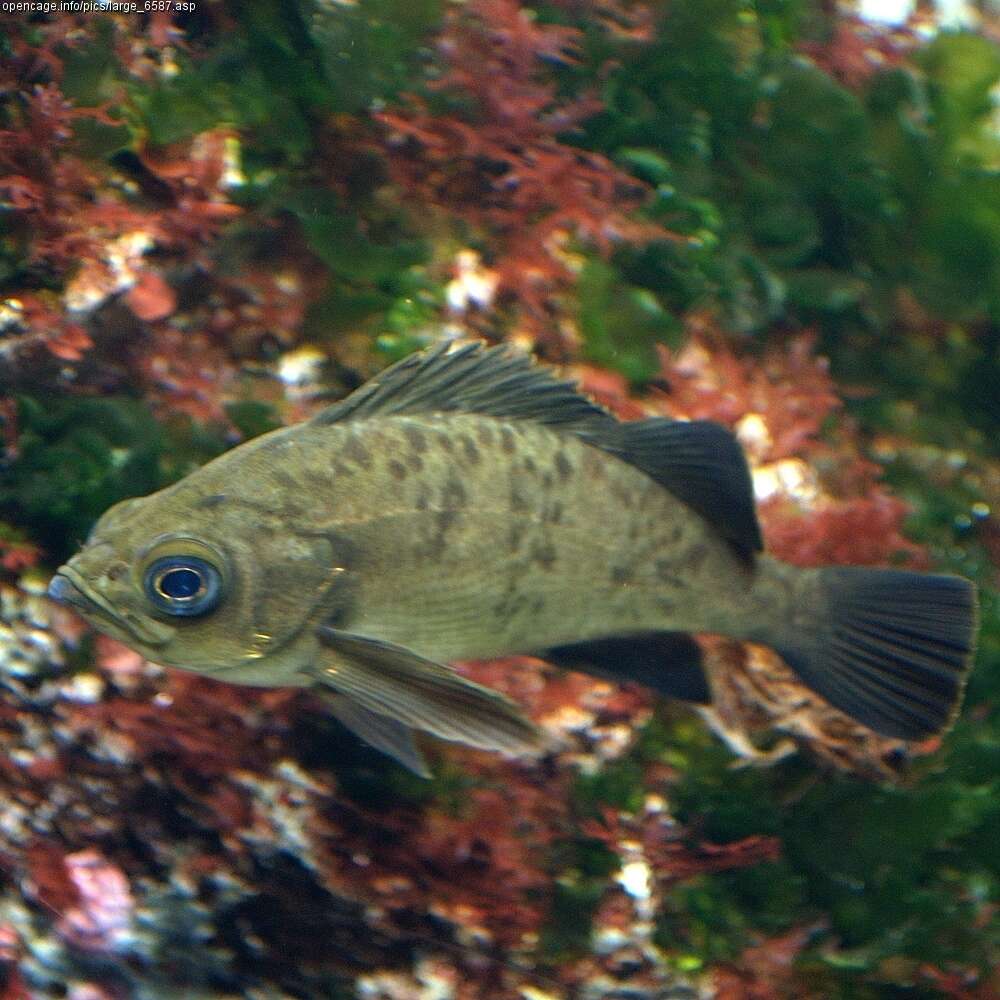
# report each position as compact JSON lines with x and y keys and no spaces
{"x":67,"y":586}
{"x":62,"y":590}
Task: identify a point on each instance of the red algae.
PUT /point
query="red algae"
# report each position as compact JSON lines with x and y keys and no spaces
{"x":502,"y":166}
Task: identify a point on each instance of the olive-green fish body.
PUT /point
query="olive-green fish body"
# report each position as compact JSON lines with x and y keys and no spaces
{"x":477,"y":537}
{"x":465,"y":504}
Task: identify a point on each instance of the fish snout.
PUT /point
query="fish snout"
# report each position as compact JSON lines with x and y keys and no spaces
{"x":119,"y":621}
{"x":62,"y":589}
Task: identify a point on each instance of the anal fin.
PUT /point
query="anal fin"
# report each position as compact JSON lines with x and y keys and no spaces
{"x":668,"y":662}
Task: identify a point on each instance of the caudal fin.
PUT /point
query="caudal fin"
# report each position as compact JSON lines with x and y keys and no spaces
{"x":893,"y":651}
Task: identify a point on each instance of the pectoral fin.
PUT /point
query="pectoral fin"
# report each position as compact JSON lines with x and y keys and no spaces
{"x":379,"y":731}
{"x":389,"y":680}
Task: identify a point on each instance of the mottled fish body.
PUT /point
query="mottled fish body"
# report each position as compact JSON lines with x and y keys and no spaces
{"x":472,"y":536}
{"x":466,"y":504}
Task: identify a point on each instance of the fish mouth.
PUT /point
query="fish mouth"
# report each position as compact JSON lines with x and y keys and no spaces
{"x":64,"y":591}
{"x":67,"y":591}
{"x":68,"y":587}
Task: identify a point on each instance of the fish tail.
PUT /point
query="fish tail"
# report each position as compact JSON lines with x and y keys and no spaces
{"x":890,"y":648}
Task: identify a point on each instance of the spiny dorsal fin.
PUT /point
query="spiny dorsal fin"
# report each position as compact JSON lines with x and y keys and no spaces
{"x":472,"y":378}
{"x":699,"y":462}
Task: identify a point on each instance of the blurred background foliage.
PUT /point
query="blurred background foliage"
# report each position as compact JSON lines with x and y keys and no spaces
{"x":213,"y":221}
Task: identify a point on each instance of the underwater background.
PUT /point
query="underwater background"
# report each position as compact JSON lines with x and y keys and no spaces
{"x":217,"y":217}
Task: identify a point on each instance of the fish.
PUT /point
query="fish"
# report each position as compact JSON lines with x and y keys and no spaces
{"x":468,"y":503}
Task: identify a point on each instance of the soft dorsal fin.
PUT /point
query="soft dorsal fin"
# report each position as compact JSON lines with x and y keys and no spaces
{"x":473,"y":378}
{"x":699,"y":462}
{"x":703,"y":465}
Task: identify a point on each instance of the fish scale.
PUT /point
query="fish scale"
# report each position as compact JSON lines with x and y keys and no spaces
{"x":559,"y":574}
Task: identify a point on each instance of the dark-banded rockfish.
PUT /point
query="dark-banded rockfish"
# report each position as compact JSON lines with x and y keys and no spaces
{"x":467,"y":504}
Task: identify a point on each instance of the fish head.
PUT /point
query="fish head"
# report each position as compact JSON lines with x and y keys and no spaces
{"x":200,"y":582}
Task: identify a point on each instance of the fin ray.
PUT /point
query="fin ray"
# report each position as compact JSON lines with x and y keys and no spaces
{"x":389,"y":736}
{"x":473,"y":378}
{"x":389,"y":680}
{"x":893,"y":649}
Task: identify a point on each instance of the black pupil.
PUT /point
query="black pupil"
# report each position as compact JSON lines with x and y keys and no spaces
{"x":180,"y":583}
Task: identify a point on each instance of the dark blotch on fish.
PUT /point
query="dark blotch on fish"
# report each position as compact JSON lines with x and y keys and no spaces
{"x":515,"y":536}
{"x":624,"y":497}
{"x":544,"y":553}
{"x":696,"y":557}
{"x":443,"y":520}
{"x":210,"y":502}
{"x":666,"y":572}
{"x":357,"y":452}
{"x":518,"y":502}
{"x":283,"y":480}
{"x":316,"y":481}
{"x":469,"y":449}
{"x":416,"y":438}
{"x":454,"y":496}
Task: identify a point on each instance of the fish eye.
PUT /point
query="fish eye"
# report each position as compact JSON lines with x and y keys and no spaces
{"x":183,"y":585}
